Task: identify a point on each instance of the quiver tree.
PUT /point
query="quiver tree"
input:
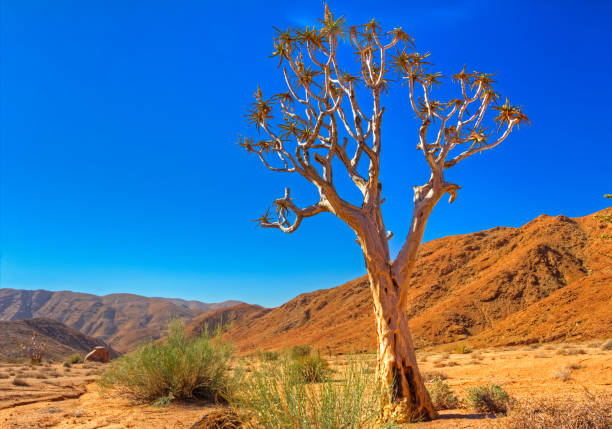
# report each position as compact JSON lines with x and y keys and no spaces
{"x":318,"y":126}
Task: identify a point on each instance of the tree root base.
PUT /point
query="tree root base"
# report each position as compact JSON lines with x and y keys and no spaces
{"x":402,"y":412}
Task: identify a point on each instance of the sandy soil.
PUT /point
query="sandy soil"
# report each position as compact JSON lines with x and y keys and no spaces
{"x":70,"y":399}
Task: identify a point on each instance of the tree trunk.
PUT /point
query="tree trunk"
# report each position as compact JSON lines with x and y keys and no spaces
{"x":397,"y":365}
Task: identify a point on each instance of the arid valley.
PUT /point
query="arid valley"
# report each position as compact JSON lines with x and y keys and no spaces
{"x":539,"y":330}
{"x":305,"y":215}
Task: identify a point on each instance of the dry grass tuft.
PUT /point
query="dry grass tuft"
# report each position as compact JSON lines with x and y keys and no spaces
{"x":489,"y":398}
{"x":462,"y":349}
{"x":441,"y":395}
{"x":588,"y":412}
{"x":563,"y":373}
{"x":429,"y":376}
{"x":570,"y":351}
{"x":607,"y":345}
{"x":477,"y":356}
{"x":225,"y":418}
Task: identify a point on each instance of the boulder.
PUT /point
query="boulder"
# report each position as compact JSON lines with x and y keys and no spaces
{"x":98,"y":354}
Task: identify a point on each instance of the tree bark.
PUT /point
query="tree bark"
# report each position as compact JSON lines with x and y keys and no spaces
{"x":397,"y":367}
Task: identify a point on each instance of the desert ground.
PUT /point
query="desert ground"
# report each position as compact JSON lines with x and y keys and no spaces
{"x":56,"y":396}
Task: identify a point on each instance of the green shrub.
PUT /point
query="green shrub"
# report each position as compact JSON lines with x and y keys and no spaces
{"x":177,"y":368}
{"x":75,"y":358}
{"x":300,"y":351}
{"x":277,"y":397}
{"x":462,"y":349}
{"x":489,"y":398}
{"x":269,"y":356}
{"x":441,"y":395}
{"x":311,"y":368}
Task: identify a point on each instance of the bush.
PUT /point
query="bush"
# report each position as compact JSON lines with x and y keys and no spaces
{"x":429,"y":376}
{"x":462,"y":349}
{"x":177,"y":368}
{"x":75,"y":358}
{"x":311,"y":368}
{"x":269,"y":356}
{"x":569,"y":351}
{"x":571,"y":412}
{"x":489,"y":398}
{"x":441,"y":395}
{"x":300,"y":351}
{"x":562,"y":373}
{"x":277,"y":397}
{"x":607,"y":345}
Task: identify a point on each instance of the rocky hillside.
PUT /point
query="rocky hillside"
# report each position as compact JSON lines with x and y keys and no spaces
{"x":60,"y":340}
{"x":122,"y":320}
{"x":548,"y":280}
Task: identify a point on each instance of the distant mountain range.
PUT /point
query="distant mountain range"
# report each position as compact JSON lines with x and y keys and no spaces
{"x":60,"y":340}
{"x":123,"y":320}
{"x":549,"y":280}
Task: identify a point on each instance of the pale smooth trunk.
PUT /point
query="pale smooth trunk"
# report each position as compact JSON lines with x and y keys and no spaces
{"x":396,"y":359}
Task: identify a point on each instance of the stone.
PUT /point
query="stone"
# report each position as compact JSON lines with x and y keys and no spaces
{"x":98,"y":354}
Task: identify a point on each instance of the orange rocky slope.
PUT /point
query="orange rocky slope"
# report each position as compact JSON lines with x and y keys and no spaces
{"x":548,"y":280}
{"x":123,"y":320}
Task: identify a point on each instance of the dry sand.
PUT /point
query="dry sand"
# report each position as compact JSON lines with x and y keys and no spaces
{"x":70,"y":399}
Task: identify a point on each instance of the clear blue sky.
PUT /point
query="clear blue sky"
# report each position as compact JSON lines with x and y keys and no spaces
{"x":120,"y":173}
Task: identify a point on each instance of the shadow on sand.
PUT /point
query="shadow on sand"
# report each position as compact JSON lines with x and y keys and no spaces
{"x":466,"y":416}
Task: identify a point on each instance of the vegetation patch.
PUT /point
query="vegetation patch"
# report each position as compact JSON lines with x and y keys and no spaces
{"x":441,"y":395}
{"x":300,"y":351}
{"x":269,"y":356}
{"x":564,"y":373}
{"x":179,"y":368}
{"x":312,"y":368}
{"x":74,"y":358}
{"x":429,"y":376}
{"x":489,"y":398}
{"x":277,"y":397}
{"x":571,"y":412}
{"x":462,"y":349}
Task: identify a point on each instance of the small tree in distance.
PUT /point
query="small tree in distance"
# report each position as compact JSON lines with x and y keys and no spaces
{"x":319,"y":116}
{"x":34,"y":348}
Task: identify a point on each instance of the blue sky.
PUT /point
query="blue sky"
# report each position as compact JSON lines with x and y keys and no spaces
{"x":120,"y":173}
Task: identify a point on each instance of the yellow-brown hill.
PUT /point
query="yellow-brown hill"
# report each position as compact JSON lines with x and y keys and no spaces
{"x":60,"y":341}
{"x":549,"y":280}
{"x":121,"y":319}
